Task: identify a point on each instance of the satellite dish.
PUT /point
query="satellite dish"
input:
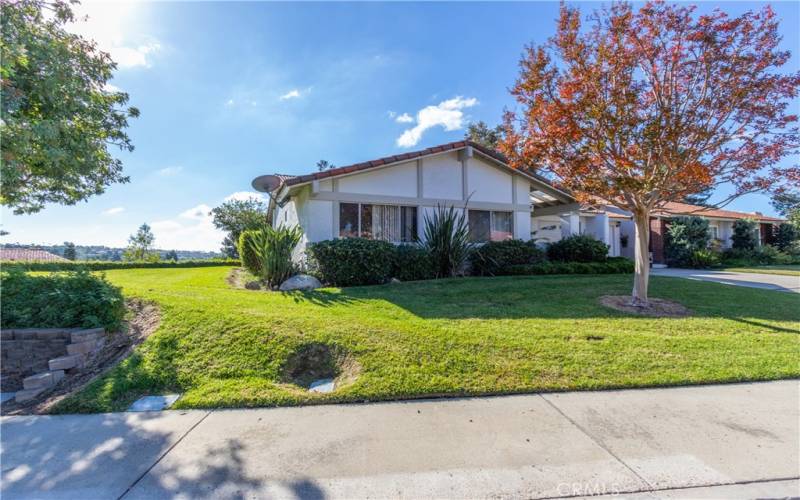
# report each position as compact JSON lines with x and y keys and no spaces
{"x":266,"y":183}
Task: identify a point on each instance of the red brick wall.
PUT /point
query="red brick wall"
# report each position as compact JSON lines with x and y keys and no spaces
{"x":767,"y":236}
{"x":658,"y":229}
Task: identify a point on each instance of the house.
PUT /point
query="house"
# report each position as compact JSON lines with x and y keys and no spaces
{"x":8,"y":254}
{"x":615,"y":227}
{"x":388,"y":199}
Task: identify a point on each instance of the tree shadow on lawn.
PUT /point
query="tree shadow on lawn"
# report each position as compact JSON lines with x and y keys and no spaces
{"x":563,"y":297}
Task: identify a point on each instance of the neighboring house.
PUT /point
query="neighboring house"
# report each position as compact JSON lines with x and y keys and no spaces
{"x":29,"y":255}
{"x":615,"y":227}
{"x":388,"y":199}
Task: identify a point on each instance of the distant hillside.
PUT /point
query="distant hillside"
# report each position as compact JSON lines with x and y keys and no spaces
{"x":95,"y":252}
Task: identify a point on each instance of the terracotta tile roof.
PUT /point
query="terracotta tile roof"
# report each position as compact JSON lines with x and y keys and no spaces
{"x":675,"y":208}
{"x":29,"y":255}
{"x":450,"y":146}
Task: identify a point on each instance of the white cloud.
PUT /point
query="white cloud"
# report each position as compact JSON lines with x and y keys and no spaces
{"x":404,"y":118}
{"x":114,"y":211}
{"x":245,"y":195}
{"x":117,"y":28}
{"x":200,"y":212}
{"x":108,"y":87}
{"x":169,"y":171}
{"x":292,"y":94}
{"x":230,"y":102}
{"x":446,"y":114}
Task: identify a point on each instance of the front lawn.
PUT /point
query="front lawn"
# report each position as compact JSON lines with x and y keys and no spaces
{"x":787,"y":270}
{"x":225,"y":347}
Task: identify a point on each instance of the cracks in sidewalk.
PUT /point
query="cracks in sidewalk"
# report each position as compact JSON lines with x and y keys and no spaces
{"x":166,"y":452}
{"x":598,"y":442}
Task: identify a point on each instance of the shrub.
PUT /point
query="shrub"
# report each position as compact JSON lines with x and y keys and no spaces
{"x":273,"y":248}
{"x":786,"y":236}
{"x":613,"y":265}
{"x":496,"y":257}
{"x":352,"y":261}
{"x":759,"y":256}
{"x":685,"y":237}
{"x":248,"y":256}
{"x":701,"y":259}
{"x":578,"y":248}
{"x":744,"y":234}
{"x":411,"y":263}
{"x":76,"y":299}
{"x":106,"y":265}
{"x":447,"y":240}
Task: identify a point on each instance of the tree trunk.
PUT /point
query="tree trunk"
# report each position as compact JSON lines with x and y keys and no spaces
{"x":642,"y":258}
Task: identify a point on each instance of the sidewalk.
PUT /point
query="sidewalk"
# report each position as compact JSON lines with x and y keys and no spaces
{"x":745,"y":436}
{"x":777,"y":282}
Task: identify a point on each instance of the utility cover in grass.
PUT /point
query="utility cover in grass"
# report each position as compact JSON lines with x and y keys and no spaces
{"x":154,"y":403}
{"x":322,"y":385}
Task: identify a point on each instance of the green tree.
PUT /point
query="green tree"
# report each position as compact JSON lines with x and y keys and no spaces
{"x":235,"y":216}
{"x":744,"y":234}
{"x":140,"y":245}
{"x":484,"y":135}
{"x":171,"y":255}
{"x":699,"y":198}
{"x":325,"y":165}
{"x":69,"y":250}
{"x":787,"y":204}
{"x":58,"y":116}
{"x":785,"y":236}
{"x":686,"y":236}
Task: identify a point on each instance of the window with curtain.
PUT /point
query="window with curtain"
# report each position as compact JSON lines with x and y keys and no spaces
{"x":381,"y":222}
{"x":486,"y":225}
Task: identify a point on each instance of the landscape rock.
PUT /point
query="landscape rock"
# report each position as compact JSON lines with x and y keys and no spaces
{"x":300,"y":282}
{"x":253,"y":285}
{"x":394,"y":281}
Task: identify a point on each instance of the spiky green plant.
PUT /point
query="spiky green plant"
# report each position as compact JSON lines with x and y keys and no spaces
{"x":447,"y":240}
{"x":273,"y":247}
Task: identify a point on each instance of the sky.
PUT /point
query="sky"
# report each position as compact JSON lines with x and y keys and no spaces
{"x":230,"y":91}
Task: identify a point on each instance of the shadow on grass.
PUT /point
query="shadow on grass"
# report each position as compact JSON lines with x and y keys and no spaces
{"x":560,"y":297}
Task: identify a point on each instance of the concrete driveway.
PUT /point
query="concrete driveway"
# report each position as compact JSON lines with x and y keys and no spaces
{"x":706,"y":441}
{"x":777,"y":282}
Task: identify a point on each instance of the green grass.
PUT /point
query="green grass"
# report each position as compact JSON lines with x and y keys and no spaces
{"x":787,"y":270}
{"x":226,"y":347}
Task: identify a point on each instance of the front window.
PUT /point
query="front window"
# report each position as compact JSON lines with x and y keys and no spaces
{"x":713,"y":232}
{"x":380,"y":222}
{"x":485,"y":225}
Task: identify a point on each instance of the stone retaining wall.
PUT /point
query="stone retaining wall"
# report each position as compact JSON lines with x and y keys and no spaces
{"x":24,"y":352}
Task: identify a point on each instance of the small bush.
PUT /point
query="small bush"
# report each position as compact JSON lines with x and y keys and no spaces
{"x":411,"y":263}
{"x":447,"y":240}
{"x":760,"y":256}
{"x":613,"y":265}
{"x":248,"y":256}
{"x":685,"y":237}
{"x":352,"y":261}
{"x":578,"y":248}
{"x":74,"y":299}
{"x":745,"y":236}
{"x":786,"y":236}
{"x":107,"y":265}
{"x":273,"y":248}
{"x":496,"y":257}
{"x":702,"y":259}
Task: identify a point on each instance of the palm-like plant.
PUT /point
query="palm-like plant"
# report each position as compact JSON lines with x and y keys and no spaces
{"x":274,"y":250}
{"x":447,"y":240}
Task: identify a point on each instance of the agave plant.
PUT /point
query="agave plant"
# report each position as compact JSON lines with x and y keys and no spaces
{"x":273,"y":247}
{"x":447,"y":240}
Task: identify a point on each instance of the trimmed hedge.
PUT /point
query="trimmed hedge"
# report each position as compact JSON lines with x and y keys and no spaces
{"x":352,"y":261}
{"x":613,"y":265}
{"x":250,"y":260}
{"x":105,"y":265}
{"x":76,"y":299}
{"x":578,"y":248}
{"x":412,"y":263}
{"x":495,"y":258}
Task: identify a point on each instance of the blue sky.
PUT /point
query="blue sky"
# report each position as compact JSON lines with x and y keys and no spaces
{"x":229,"y":91}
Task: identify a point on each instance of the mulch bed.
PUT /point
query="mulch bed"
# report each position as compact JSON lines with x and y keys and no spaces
{"x":656,"y":308}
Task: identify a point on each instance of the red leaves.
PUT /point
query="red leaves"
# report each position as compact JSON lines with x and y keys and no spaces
{"x":656,"y":103}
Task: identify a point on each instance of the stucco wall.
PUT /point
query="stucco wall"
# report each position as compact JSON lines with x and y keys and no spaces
{"x":488,"y":183}
{"x":441,"y":177}
{"x":398,"y":180}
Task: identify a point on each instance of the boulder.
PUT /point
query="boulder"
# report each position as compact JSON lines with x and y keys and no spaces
{"x":394,"y":281}
{"x":253,"y":285}
{"x":300,"y":282}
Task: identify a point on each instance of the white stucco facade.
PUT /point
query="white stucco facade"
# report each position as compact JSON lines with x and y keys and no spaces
{"x":464,"y":179}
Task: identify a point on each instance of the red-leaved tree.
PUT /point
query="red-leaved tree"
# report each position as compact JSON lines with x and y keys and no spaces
{"x":645,"y":107}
